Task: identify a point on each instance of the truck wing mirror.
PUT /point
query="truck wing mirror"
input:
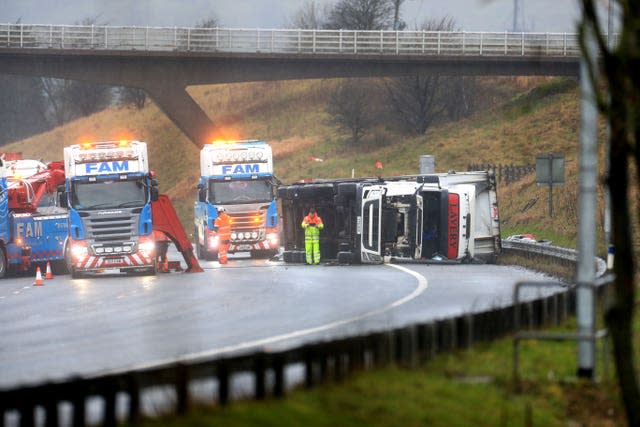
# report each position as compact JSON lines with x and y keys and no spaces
{"x":202,"y":193}
{"x":63,"y":201}
{"x":155,"y":193}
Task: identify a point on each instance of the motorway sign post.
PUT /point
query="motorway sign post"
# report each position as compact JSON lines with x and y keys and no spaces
{"x":550,"y":171}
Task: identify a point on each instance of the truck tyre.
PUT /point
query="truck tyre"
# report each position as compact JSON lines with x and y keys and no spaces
{"x":75,"y":274}
{"x":345,"y":257}
{"x":211,"y":255}
{"x":287,"y":256}
{"x":3,"y":262}
{"x":263,"y":253}
{"x":59,"y":267}
{"x":300,"y":257}
{"x":346,"y":189}
{"x":316,"y":191}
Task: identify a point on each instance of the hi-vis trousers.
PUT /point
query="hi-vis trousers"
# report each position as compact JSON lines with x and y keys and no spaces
{"x":312,"y":244}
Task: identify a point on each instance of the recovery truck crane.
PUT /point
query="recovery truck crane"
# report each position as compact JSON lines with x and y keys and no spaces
{"x":33,"y":227}
{"x":114,"y":210}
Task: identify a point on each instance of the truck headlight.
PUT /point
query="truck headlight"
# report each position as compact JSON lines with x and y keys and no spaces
{"x":147,"y":246}
{"x":273,"y":239}
{"x":79,"y":250}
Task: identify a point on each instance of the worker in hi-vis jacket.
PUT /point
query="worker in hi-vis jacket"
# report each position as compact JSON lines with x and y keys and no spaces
{"x":312,"y":224}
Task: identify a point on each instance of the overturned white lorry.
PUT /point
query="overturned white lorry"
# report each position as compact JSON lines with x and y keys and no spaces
{"x":447,"y":217}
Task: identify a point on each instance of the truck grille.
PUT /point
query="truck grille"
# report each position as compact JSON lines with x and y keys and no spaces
{"x":116,"y":228}
{"x":247,"y":221}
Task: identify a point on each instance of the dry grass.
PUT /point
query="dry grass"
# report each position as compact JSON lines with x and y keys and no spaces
{"x":515,"y":121}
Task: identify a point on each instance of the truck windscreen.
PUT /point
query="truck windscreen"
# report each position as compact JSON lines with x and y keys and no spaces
{"x":108,"y":194}
{"x":239,"y":191}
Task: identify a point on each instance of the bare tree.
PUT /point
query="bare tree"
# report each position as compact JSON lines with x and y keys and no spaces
{"x":210,"y":22}
{"x":419,"y":100}
{"x":415,"y":101}
{"x":350,"y":108}
{"x":621,"y":107}
{"x":132,"y":95}
{"x":22,"y":112}
{"x":361,"y":15}
{"x":310,"y":16}
{"x":398,"y":24}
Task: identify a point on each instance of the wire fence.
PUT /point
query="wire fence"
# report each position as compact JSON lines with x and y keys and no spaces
{"x":507,"y":174}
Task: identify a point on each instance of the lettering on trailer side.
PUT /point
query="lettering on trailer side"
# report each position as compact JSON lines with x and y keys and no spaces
{"x":453,"y":226}
{"x":102,"y":167}
{"x":240,"y":169}
{"x":29,"y":229}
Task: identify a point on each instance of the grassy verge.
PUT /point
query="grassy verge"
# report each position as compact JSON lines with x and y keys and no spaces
{"x":465,"y":388}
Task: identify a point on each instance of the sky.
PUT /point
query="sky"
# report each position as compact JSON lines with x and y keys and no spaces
{"x":469,"y":15}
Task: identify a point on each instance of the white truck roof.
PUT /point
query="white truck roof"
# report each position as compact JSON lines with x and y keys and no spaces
{"x":241,"y":158}
{"x":106,"y":157}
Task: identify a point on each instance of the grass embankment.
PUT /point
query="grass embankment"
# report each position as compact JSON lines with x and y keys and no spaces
{"x":463,"y":388}
{"x":519,"y":118}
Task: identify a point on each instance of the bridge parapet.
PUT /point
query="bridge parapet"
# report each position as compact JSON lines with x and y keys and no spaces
{"x":287,"y":41}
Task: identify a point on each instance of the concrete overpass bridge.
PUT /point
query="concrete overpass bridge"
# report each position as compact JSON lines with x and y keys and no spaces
{"x":164,"y":61}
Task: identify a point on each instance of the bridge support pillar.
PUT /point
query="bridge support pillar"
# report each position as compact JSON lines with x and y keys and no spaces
{"x":183,"y":111}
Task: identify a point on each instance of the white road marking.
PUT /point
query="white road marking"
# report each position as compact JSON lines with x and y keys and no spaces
{"x":422,"y":286}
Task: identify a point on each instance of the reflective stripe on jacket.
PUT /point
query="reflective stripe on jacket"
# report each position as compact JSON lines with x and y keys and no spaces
{"x":312,"y":220}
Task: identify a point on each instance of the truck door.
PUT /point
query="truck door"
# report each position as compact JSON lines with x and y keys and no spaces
{"x":419,"y":225}
{"x":370,"y":224}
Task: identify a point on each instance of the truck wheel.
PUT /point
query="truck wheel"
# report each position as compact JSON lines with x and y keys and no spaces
{"x":264,"y":253}
{"x":211,"y":255}
{"x":75,"y":274}
{"x":345,"y":257}
{"x":300,"y":257}
{"x":59,"y":267}
{"x":3,"y":262}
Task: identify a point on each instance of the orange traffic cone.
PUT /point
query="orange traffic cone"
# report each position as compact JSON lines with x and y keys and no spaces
{"x":39,"y":281}
{"x":48,"y":275}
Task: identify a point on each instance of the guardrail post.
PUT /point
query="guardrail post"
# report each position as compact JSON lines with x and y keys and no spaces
{"x":522,"y":43}
{"x":381,"y":41}
{"x":397,"y":42}
{"x":259,"y":372}
{"x":223,"y":383}
{"x":439,"y":42}
{"x":313,"y":45}
{"x":355,"y":42}
{"x":175,"y":38}
{"x":188,"y":39}
{"x":308,"y":368}
{"x":481,"y":43}
{"x":278,"y":372}
{"x":182,"y":389}
{"x":506,"y":43}
{"x":463,"y":42}
{"x":109,"y":397}
{"x":79,"y":407}
{"x":26,"y":415}
{"x":21,"y":34}
{"x":134,"y":399}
